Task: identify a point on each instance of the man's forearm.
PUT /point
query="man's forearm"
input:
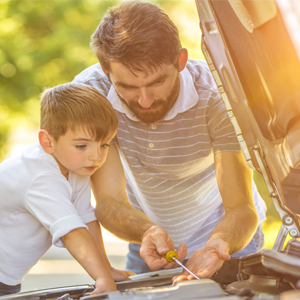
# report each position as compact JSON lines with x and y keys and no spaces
{"x":123,"y":220}
{"x":113,"y":209}
{"x":237,"y":227}
{"x":234,"y":179}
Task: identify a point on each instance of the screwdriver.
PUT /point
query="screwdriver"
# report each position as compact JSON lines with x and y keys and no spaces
{"x":172,"y":255}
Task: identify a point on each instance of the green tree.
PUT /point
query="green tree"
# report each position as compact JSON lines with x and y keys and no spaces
{"x":43,"y":43}
{"x":46,"y":43}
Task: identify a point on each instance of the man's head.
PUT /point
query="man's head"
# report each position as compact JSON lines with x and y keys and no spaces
{"x":137,"y":34}
{"x":139,"y":50}
{"x":77,"y":125}
{"x":77,"y":106}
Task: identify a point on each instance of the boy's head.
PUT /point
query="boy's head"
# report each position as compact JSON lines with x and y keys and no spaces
{"x":137,"y":34}
{"x":77,"y":106}
{"x":77,"y":125}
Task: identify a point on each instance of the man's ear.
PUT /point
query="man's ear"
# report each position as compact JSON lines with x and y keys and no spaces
{"x":45,"y":140}
{"x":183,"y":57}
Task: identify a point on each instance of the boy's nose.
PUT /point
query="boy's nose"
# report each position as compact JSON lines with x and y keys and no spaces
{"x":95,"y":155}
{"x":145,"y":98}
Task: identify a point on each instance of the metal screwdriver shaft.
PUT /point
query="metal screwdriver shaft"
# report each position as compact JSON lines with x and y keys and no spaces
{"x":180,"y":264}
{"x":172,"y":255}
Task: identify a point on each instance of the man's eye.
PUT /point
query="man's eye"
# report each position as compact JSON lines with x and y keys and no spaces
{"x":80,"y":146}
{"x":104,"y":146}
{"x":127,"y":90}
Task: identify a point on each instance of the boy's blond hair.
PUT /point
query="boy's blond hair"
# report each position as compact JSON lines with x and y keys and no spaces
{"x":77,"y":106}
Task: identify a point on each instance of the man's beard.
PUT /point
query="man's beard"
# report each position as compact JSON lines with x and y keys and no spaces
{"x":162,"y":107}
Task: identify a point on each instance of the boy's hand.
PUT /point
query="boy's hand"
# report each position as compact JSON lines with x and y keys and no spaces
{"x":104,"y":285}
{"x":121,"y":275}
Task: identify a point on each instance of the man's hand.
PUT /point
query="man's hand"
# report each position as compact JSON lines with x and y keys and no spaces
{"x":207,"y":260}
{"x":156,"y":243}
{"x":104,"y":285}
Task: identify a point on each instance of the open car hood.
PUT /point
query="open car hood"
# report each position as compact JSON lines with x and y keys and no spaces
{"x":253,"y":51}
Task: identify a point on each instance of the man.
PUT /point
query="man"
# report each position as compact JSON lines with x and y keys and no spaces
{"x":175,"y":175}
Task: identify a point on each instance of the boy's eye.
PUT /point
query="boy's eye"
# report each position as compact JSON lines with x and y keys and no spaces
{"x":104,"y":146}
{"x":80,"y":146}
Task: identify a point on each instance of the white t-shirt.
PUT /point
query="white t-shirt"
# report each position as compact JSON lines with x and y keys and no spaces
{"x":38,"y":206}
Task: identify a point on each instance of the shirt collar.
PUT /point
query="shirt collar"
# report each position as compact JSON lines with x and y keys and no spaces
{"x":187,"y":98}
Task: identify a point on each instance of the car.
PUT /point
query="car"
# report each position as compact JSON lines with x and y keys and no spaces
{"x":252,"y":48}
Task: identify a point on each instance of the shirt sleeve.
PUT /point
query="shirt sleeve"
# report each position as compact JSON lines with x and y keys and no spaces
{"x":221,"y":131}
{"x":48,"y":199}
{"x":82,"y":198}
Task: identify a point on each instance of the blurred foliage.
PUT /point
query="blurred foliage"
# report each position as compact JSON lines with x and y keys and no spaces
{"x":46,"y":43}
{"x":43,"y":43}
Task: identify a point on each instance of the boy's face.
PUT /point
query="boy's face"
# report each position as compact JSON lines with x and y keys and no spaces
{"x":78,"y":152}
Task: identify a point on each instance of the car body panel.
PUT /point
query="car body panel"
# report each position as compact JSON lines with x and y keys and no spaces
{"x":257,"y":69}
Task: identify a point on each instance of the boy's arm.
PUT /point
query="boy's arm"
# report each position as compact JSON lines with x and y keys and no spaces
{"x":82,"y":246}
{"x":95,"y":230}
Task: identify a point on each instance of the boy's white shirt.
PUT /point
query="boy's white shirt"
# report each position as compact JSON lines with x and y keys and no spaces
{"x":38,"y":206}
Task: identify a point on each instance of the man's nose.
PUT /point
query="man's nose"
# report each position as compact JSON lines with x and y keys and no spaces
{"x":145,"y":98}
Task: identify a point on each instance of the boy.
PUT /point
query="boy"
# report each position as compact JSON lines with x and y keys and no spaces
{"x":45,"y":193}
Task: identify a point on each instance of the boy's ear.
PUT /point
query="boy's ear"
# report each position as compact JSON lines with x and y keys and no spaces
{"x":45,"y":140}
{"x":183,"y":57}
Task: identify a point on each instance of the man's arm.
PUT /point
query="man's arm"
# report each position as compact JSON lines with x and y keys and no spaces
{"x":113,"y":209}
{"x":117,"y":215}
{"x":239,"y":223}
{"x":234,"y":179}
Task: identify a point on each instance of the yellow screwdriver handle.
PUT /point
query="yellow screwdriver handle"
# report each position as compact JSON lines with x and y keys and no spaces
{"x":169,"y":256}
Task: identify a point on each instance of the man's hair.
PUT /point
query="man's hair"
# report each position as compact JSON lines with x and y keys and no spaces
{"x":77,"y":106}
{"x":137,"y":34}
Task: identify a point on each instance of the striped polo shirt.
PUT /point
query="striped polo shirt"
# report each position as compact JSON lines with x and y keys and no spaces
{"x":169,"y":165}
